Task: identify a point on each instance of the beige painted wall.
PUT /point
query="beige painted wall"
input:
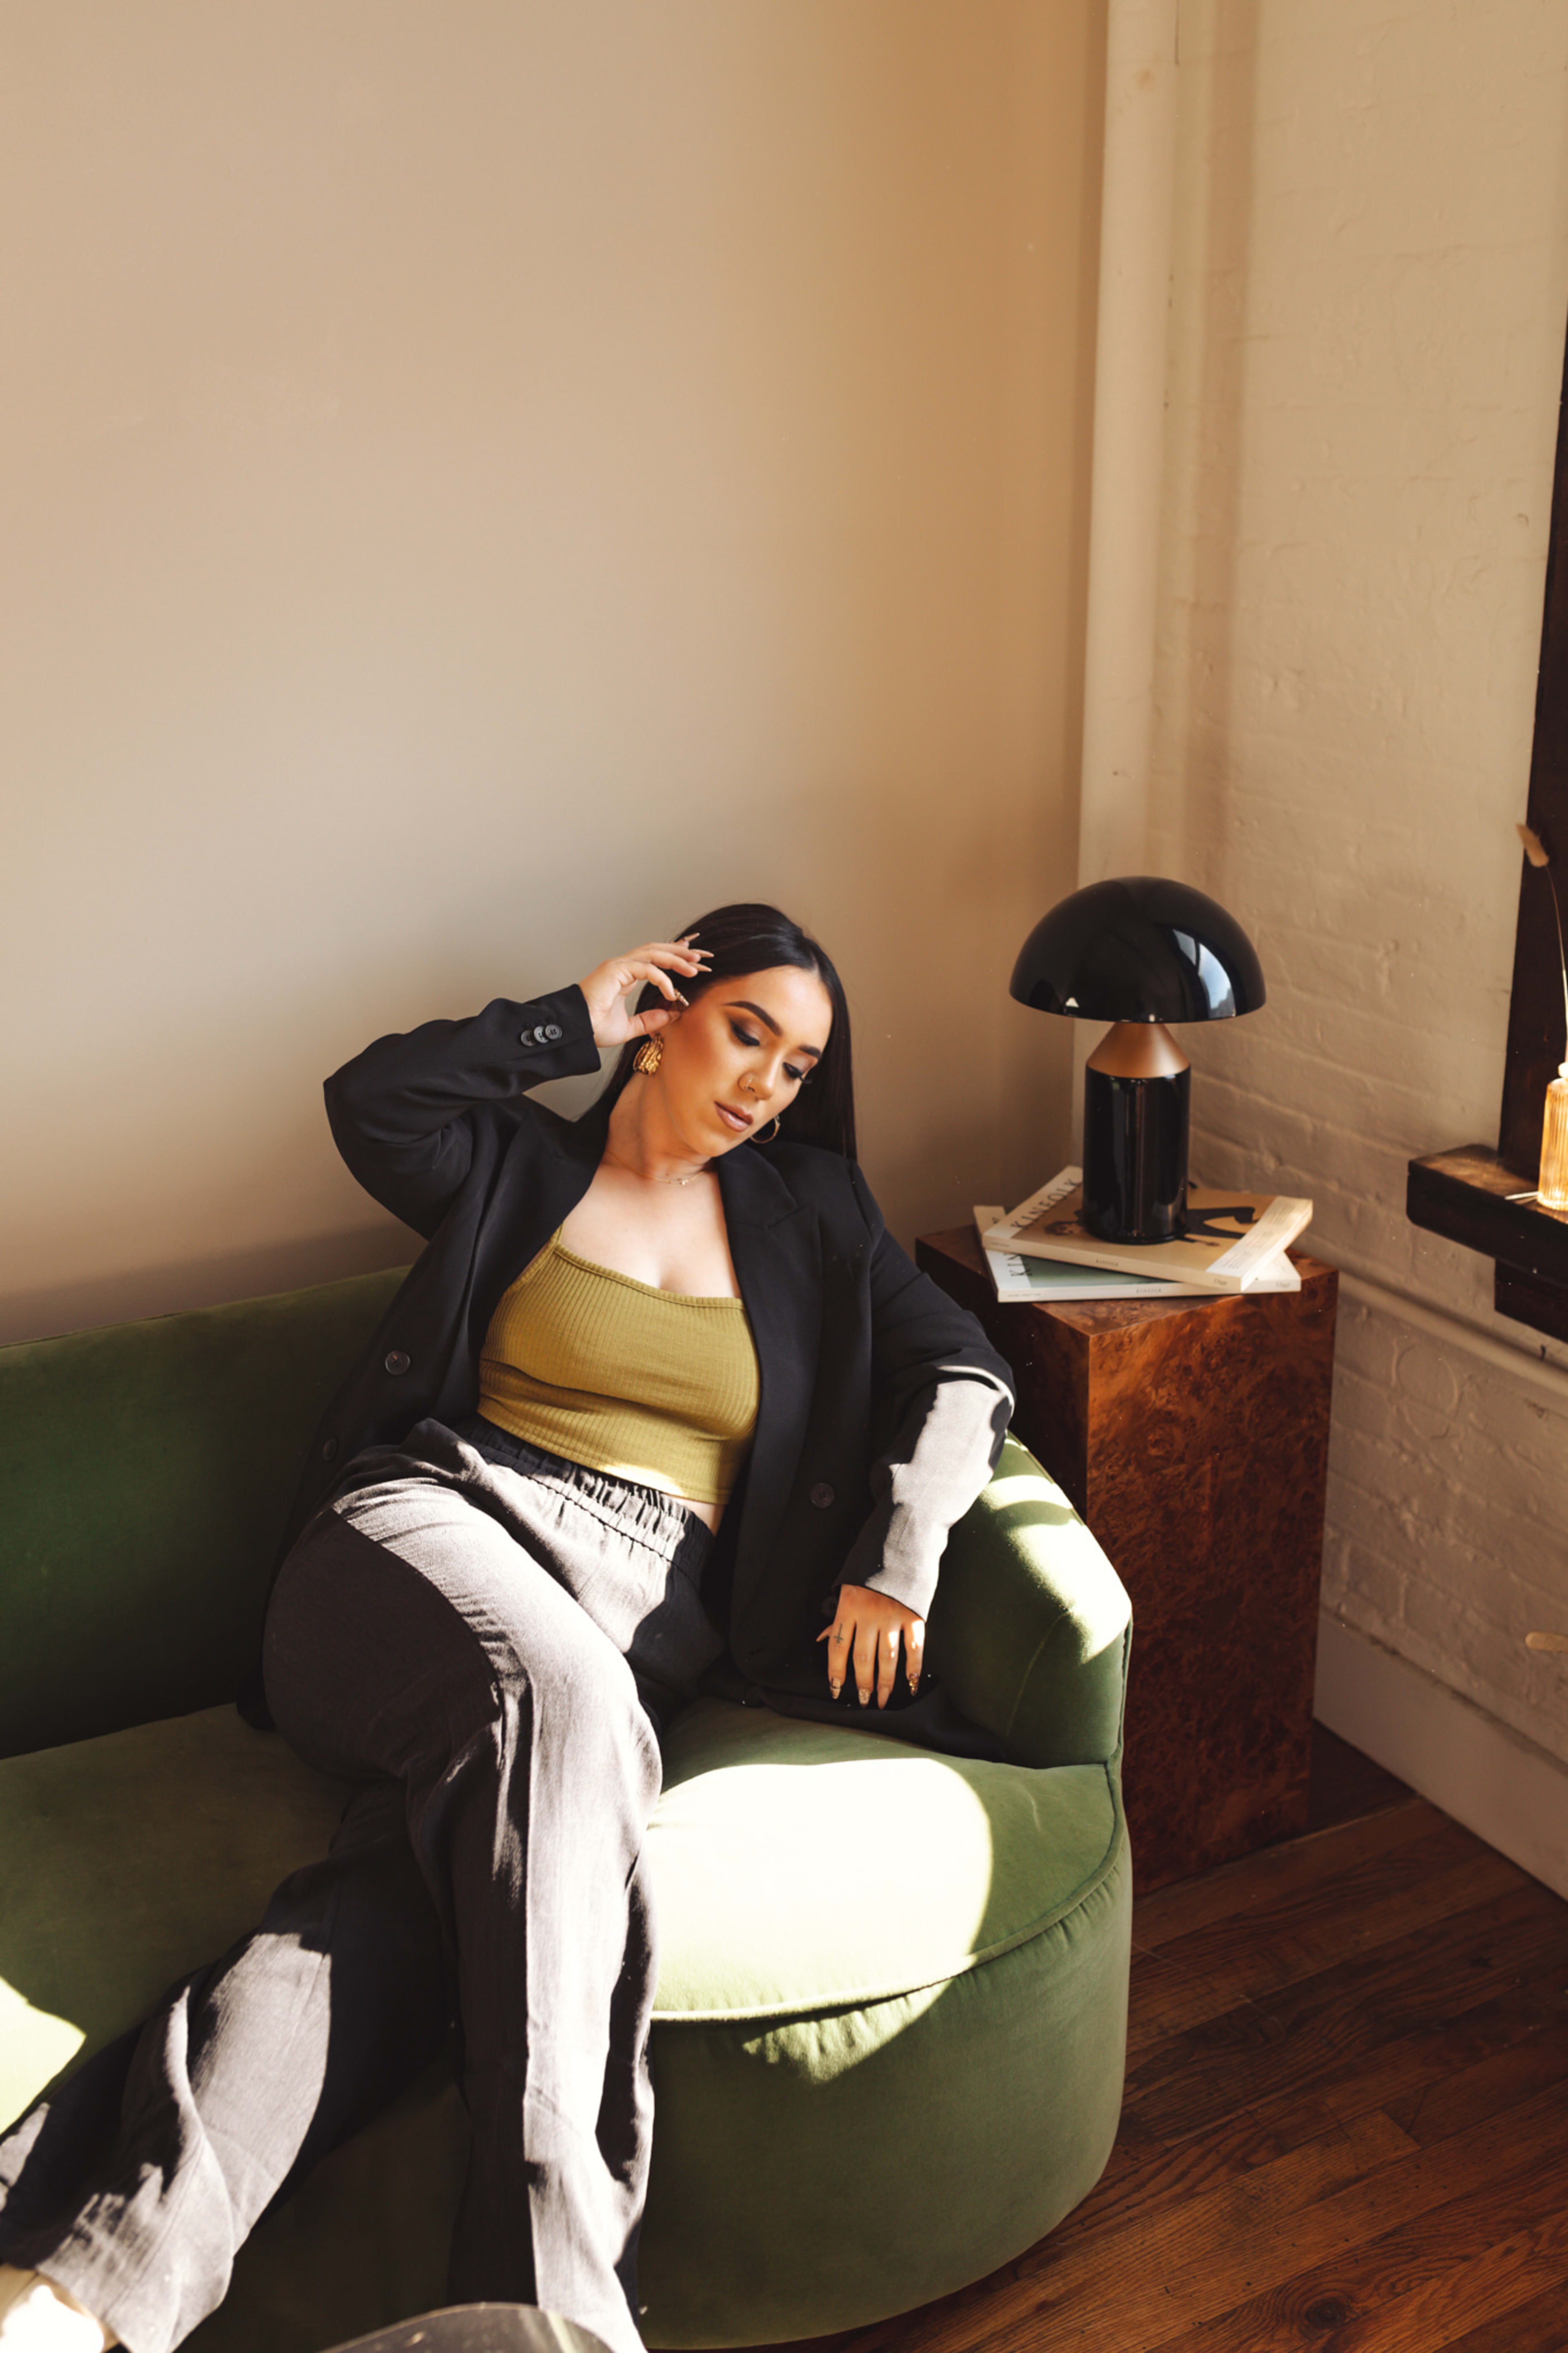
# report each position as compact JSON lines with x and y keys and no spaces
{"x":1368,"y":308}
{"x":483,"y":483}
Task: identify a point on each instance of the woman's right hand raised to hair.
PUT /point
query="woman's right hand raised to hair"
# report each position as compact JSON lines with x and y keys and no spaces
{"x":608,"y":986}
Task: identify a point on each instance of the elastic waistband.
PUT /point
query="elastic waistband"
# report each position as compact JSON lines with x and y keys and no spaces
{"x":663,"y":1521}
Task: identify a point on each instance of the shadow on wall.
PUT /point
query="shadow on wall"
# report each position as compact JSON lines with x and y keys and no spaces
{"x":257,"y":1273}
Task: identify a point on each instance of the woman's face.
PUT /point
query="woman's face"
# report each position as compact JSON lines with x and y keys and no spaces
{"x":741,"y":1052}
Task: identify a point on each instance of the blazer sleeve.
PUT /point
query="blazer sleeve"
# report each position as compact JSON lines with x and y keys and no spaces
{"x":951,"y":1397}
{"x":402,"y":1114}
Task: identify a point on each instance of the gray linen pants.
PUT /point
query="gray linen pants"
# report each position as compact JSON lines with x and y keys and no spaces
{"x":484,"y":1637}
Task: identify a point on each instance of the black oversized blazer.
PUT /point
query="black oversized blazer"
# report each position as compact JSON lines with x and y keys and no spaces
{"x":882,"y":1408}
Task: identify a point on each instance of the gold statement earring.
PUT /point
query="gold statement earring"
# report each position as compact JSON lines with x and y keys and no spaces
{"x":648,"y":1056}
{"x":769,"y":1133}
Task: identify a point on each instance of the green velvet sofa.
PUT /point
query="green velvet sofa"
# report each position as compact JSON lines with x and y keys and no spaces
{"x":891,"y":2017}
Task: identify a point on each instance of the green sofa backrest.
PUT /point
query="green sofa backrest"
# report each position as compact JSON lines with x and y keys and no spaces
{"x":145,"y":1474}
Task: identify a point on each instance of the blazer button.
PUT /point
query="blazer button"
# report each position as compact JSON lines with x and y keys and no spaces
{"x":528,"y":1036}
{"x":329,"y":1450}
{"x":550,"y":1032}
{"x":396,"y":1361}
{"x":822,"y":1495}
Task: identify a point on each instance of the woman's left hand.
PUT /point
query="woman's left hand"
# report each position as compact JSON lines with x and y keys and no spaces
{"x":864,"y":1638}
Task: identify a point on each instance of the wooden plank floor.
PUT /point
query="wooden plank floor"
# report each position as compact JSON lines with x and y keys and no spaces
{"x":1347,"y":2112}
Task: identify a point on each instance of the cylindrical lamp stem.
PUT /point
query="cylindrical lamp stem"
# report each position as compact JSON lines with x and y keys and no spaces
{"x":1135,"y":1101}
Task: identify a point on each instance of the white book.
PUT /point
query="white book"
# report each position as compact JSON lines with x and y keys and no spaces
{"x":1056,"y":1283}
{"x":1031,"y":1257}
{"x":1022,"y":1282}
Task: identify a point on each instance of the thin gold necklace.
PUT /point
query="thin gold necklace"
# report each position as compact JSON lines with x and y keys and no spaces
{"x":647,"y":1180}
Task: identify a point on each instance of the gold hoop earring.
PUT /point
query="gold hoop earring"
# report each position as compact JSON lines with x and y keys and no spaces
{"x":648,"y":1056}
{"x":765,"y":1138}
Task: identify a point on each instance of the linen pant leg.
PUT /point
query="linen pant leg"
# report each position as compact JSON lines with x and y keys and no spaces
{"x":411,"y":1635}
{"x":134,"y":2184}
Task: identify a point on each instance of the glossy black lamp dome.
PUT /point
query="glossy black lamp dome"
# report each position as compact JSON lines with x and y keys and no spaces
{"x":1138,"y":952}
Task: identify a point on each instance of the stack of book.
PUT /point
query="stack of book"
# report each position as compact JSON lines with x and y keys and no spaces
{"x":1234,"y":1242}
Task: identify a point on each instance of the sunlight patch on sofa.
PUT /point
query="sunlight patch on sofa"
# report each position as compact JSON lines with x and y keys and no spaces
{"x":34,"y":2046}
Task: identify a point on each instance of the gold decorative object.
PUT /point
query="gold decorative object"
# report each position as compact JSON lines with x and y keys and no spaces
{"x":650,"y":1054}
{"x":1552,"y":1186}
{"x":1552,"y":1190}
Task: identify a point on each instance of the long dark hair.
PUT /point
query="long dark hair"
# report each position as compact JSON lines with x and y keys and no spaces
{"x":754,"y":938}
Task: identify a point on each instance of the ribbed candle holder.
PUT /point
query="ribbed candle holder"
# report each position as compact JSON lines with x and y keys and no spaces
{"x":1552,"y":1190}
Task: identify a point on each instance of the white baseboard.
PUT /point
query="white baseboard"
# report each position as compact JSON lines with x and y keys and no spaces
{"x":1499,"y":1785}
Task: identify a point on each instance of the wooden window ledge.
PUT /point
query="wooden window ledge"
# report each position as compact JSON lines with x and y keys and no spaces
{"x":1463,"y":1196}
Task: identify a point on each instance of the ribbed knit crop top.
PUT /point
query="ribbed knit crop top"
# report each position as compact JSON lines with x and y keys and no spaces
{"x":658,"y":1387}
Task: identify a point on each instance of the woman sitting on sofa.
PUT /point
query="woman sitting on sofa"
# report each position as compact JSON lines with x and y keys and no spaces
{"x":660,"y":1406}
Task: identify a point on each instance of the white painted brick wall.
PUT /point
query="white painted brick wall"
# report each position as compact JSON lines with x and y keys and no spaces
{"x":1367,"y":332}
{"x":1446,"y":1516}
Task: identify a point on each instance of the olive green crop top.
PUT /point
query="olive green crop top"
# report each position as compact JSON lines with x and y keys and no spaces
{"x":659,"y":1386}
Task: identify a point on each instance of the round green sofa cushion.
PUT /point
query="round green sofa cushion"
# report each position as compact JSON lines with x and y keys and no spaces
{"x":890,"y":2031}
{"x":887,"y":2047}
{"x":127,"y":1861}
{"x":801,"y":1867}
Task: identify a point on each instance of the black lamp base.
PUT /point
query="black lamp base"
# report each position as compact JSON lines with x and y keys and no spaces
{"x":1136,"y":1090}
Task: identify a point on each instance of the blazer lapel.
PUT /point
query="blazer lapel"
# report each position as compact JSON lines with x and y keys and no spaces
{"x":546,"y":1173}
{"x":777,"y":1249}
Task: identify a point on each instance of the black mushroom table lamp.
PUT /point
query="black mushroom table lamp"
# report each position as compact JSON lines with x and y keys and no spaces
{"x":1138,"y":952}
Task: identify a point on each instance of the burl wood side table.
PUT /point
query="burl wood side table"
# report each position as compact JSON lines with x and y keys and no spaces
{"x":1193,"y":1436}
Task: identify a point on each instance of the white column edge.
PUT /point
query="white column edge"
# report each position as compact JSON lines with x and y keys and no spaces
{"x":1131,"y":334}
{"x":1491,"y":1779}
